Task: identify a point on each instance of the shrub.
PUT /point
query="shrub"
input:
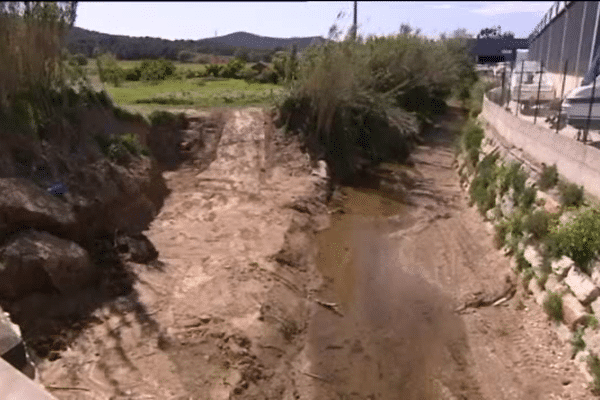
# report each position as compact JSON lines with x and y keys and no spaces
{"x":515,"y":224}
{"x":133,"y":74}
{"x":521,"y":261}
{"x":80,"y":59}
{"x":267,"y":76}
{"x":516,"y":178}
{"x":164,"y":117}
{"x":592,"y":322}
{"x":500,"y":231}
{"x":527,"y":198}
{"x":594,"y":366}
{"x":580,"y":239}
{"x":577,"y":342}
{"x":483,"y":187}
{"x":548,"y":178}
{"x":214,"y":70}
{"x":473,"y":135}
{"x":537,"y":223}
{"x":232,"y":68}
{"x":553,"y":306}
{"x":156,"y":70}
{"x":185,"y":56}
{"x":118,"y":146}
{"x":571,"y":194}
{"x":104,"y":99}
{"x":109,"y":70}
{"x":528,"y":275}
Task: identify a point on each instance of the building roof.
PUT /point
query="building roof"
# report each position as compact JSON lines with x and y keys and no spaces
{"x":494,"y":46}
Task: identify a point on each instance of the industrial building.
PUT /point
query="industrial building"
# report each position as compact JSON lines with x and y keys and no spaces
{"x":566,"y":35}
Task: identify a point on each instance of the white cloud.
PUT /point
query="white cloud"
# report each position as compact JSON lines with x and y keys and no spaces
{"x":509,"y":7}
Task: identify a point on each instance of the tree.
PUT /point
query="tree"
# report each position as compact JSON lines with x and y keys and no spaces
{"x":405,"y":29}
{"x":461,"y":33}
{"x":494,"y":32}
{"x":241,"y":53}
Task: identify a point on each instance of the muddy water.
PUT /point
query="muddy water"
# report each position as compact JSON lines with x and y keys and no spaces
{"x":398,"y":338}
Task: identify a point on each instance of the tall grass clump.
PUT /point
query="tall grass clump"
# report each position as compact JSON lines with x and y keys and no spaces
{"x":548,"y":178}
{"x":364,"y":101}
{"x":36,"y":73}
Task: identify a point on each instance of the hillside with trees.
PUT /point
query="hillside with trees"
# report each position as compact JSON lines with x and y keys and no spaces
{"x":252,"y":47}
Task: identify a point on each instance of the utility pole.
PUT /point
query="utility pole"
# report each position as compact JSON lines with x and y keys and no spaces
{"x":354,"y":26}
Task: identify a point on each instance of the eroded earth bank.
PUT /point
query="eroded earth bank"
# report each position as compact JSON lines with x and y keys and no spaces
{"x":263,"y":291}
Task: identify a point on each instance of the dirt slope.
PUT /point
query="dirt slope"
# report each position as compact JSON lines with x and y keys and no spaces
{"x":218,"y":316}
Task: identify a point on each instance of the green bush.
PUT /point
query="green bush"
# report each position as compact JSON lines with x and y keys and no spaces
{"x":521,"y":261}
{"x":80,"y":59}
{"x":500,"y":231}
{"x":473,"y":135}
{"x":109,"y":70}
{"x":232,"y":68}
{"x":571,"y":195}
{"x":548,"y":178}
{"x":527,"y":276}
{"x":483,"y":190}
{"x":537,"y":223}
{"x":577,"y":342}
{"x":594,"y":367}
{"x":527,"y":198}
{"x":155,"y":70}
{"x":214,"y":70}
{"x":133,"y":74}
{"x":267,"y":76}
{"x":159,"y":117}
{"x":580,"y":239}
{"x":516,"y":178}
{"x":117,"y":147}
{"x":553,"y":306}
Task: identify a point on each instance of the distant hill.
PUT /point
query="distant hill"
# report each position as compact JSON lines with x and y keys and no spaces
{"x":252,"y":41}
{"x":88,"y":42}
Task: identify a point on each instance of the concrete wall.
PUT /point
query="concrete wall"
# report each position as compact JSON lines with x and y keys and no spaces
{"x":575,"y":161}
{"x":16,"y":386}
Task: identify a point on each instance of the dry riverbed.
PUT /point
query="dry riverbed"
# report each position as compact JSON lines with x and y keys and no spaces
{"x":254,"y":297}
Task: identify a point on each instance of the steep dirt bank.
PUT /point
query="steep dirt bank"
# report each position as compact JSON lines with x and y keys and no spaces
{"x":218,"y":316}
{"x":400,"y":267}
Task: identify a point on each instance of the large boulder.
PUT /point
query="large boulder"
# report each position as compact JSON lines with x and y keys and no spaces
{"x":573,"y":312}
{"x":562,"y":266}
{"x":33,"y":261}
{"x":582,"y":286}
{"x":25,"y":205}
{"x":534,"y":258}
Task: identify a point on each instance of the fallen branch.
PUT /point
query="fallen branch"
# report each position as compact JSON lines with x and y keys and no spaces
{"x":316,"y":377}
{"x":330,"y":306}
{"x":67,"y":388}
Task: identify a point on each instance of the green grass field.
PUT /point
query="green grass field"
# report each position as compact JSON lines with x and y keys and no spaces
{"x":174,"y":93}
{"x":195,"y":92}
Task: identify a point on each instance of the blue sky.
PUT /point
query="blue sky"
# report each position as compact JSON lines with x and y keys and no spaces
{"x":197,"y":20}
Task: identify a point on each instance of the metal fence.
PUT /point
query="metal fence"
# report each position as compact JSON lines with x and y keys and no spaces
{"x":568,"y":32}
